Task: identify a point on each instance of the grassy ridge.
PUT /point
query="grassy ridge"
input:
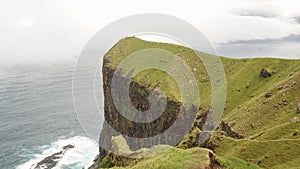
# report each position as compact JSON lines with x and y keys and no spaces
{"x":270,"y":138}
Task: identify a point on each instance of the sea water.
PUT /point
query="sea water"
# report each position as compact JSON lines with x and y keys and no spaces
{"x":37,"y":118}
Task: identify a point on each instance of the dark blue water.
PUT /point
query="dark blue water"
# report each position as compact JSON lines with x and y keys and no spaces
{"x":37,"y":116}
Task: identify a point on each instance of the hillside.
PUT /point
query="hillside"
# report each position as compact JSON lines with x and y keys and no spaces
{"x":259,"y":127}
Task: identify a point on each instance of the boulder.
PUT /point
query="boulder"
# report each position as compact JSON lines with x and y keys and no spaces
{"x":294,"y":119}
{"x":267,"y":95}
{"x":67,"y":147}
{"x":247,"y":85}
{"x":120,"y":146}
{"x":298,"y":108}
{"x":285,"y":102}
{"x":265,"y":74}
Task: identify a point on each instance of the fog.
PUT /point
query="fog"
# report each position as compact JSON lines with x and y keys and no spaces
{"x":53,"y":31}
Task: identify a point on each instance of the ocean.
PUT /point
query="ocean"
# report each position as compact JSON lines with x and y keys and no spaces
{"x":38,"y":118}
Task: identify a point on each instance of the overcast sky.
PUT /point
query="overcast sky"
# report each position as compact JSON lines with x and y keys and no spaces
{"x":48,"y":31}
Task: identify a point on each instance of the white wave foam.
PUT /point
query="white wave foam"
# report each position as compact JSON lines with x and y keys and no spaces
{"x":81,"y":156}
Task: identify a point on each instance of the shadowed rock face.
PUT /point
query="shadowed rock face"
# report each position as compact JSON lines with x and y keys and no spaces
{"x":51,"y":161}
{"x":229,"y":132}
{"x":129,"y":128}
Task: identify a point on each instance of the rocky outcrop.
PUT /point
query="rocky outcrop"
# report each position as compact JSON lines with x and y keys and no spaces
{"x":125,"y":156}
{"x":265,"y":74}
{"x":120,"y":145}
{"x":269,"y":94}
{"x":229,"y":132}
{"x":198,"y":157}
{"x":138,"y":95}
{"x":51,"y":161}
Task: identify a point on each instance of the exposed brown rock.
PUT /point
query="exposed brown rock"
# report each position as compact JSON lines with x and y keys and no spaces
{"x":269,"y":94}
{"x":265,"y":74}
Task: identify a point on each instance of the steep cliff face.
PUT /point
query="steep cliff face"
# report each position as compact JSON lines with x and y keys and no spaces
{"x":139,"y":98}
{"x":139,"y":91}
{"x":260,"y":110}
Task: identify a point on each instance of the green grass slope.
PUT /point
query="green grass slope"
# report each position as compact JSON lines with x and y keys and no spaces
{"x":270,"y":138}
{"x":193,"y":158}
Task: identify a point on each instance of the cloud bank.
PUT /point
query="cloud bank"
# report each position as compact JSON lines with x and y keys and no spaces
{"x":35,"y":31}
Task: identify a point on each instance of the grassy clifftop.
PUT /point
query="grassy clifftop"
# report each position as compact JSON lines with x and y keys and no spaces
{"x":261,"y":106}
